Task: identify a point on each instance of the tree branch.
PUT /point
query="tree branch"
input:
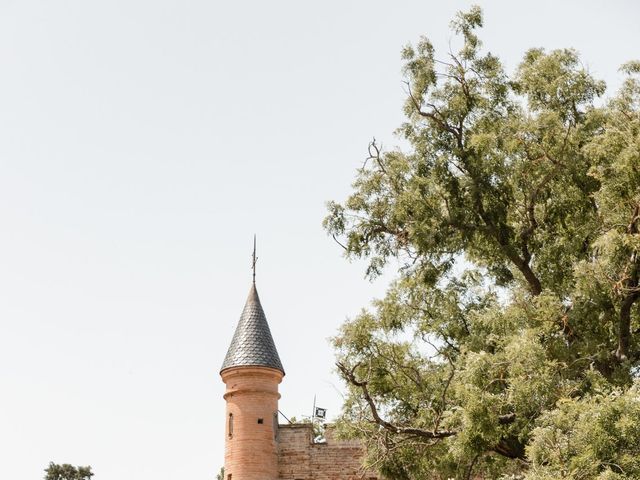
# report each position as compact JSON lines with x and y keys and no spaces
{"x":349,"y":375}
{"x":631,"y":292}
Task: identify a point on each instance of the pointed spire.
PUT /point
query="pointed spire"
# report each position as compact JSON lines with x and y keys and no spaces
{"x":252,"y":344}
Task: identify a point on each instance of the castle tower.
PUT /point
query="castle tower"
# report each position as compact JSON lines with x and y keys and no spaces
{"x":251,"y":371}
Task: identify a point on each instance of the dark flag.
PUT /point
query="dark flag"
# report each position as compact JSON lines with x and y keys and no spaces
{"x":321,"y":413}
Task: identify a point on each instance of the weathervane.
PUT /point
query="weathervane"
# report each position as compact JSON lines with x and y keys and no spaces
{"x":255,"y":259}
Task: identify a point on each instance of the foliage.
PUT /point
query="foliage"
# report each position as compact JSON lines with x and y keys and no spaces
{"x":220,"y":475}
{"x":318,"y":427}
{"x":597,"y":437}
{"x":67,"y":472}
{"x":514,"y":219}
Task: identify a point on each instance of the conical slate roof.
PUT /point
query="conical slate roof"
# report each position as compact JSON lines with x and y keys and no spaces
{"x":252,"y":344}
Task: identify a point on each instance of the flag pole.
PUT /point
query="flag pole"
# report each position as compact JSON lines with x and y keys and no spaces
{"x":313,"y":418}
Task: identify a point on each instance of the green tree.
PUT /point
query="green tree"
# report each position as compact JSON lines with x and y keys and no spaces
{"x":514,"y":219}
{"x":220,"y":475}
{"x":594,"y":437}
{"x":67,"y":472}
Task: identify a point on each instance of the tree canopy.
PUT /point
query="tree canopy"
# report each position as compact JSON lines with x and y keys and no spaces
{"x":507,"y":346}
{"x":67,"y":472}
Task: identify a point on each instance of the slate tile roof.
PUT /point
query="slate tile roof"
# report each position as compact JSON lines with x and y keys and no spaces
{"x":252,"y":344}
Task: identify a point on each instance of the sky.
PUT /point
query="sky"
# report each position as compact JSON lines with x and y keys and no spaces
{"x":142,"y":144}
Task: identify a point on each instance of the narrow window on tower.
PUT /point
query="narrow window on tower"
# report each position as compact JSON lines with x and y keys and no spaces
{"x":275,"y":425}
{"x":260,"y":421}
{"x":230,"y":429}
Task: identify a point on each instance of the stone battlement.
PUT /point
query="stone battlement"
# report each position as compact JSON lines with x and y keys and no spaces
{"x":299,"y":458}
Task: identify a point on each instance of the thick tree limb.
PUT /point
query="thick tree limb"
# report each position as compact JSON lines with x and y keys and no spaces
{"x":507,"y":419}
{"x":470,"y":467}
{"x":349,"y":375}
{"x":631,"y":293}
{"x":502,"y":239}
{"x":510,"y":447}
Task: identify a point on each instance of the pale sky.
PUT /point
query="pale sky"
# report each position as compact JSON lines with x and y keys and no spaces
{"x":142,"y":143}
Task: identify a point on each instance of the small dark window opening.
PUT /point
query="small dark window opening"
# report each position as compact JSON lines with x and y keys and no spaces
{"x":229,"y":477}
{"x":230,"y":430}
{"x":260,"y":421}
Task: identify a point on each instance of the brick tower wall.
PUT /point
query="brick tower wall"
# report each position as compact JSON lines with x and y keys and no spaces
{"x":301,"y":459}
{"x":251,"y":452}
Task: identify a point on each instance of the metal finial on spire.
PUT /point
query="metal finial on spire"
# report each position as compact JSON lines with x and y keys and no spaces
{"x":255,"y":259}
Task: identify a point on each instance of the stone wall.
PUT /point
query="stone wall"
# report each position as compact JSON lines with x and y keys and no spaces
{"x":301,"y":459}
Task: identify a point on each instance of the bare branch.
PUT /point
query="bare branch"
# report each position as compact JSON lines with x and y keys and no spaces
{"x":338,"y":242}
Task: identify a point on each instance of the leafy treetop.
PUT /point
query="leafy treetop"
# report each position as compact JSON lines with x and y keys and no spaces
{"x":67,"y":472}
{"x":515,"y":220}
